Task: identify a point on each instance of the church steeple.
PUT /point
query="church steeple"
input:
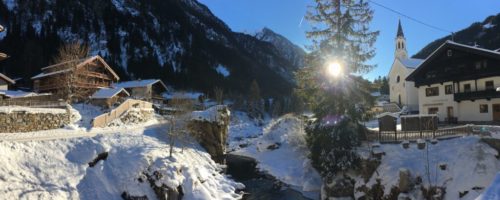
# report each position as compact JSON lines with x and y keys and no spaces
{"x":401,"y":52}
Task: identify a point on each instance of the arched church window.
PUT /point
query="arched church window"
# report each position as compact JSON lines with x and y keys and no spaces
{"x":397,"y":79}
{"x":402,"y":45}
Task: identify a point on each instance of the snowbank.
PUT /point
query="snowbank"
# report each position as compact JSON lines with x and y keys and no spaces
{"x":470,"y":164}
{"x":281,"y":151}
{"x":59,"y":169}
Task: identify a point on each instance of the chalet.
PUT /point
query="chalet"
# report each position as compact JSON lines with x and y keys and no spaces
{"x":459,"y":82}
{"x":107,"y":97}
{"x":90,"y":74}
{"x":403,"y":92}
{"x":149,"y":90}
{"x":5,"y":82}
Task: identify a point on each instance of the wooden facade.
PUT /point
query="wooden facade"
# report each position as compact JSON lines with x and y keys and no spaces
{"x":88,"y":74}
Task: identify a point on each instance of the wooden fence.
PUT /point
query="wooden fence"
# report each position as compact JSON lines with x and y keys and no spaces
{"x":106,"y":118}
{"x":393,"y":136}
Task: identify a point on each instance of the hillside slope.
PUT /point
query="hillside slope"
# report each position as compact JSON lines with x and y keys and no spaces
{"x":485,"y":34}
{"x":179,"y":41}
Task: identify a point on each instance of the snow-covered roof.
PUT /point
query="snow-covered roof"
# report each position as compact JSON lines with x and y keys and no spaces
{"x":139,"y":83}
{"x":81,"y":62}
{"x":7,"y":79}
{"x":20,"y":94}
{"x":41,"y":75}
{"x":395,"y":115}
{"x":473,"y":47}
{"x":183,"y":95}
{"x":105,"y":93}
{"x":411,"y":62}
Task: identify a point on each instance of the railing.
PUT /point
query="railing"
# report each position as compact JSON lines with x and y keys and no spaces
{"x":33,"y":103}
{"x":106,"y":118}
{"x":474,"y":95}
{"x":394,"y":136}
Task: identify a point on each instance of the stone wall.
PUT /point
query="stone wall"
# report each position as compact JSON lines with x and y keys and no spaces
{"x":26,"y":121}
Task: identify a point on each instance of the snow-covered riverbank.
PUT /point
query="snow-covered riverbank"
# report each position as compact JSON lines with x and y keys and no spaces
{"x":280,"y":150}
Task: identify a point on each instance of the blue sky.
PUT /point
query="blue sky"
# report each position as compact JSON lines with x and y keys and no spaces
{"x":284,"y":17}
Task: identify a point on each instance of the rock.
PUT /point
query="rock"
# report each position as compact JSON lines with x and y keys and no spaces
{"x":406,"y":144}
{"x":462,"y":194}
{"x":421,"y":144}
{"x":274,"y":146}
{"x":442,"y":166}
{"x":434,"y":141}
{"x":405,"y":181}
{"x":212,"y":134}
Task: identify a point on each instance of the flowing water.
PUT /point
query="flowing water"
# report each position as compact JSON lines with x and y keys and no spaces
{"x":258,"y":186}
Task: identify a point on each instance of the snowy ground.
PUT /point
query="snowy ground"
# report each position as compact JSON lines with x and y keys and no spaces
{"x":470,"y":163}
{"x":54,"y":164}
{"x":289,"y":162}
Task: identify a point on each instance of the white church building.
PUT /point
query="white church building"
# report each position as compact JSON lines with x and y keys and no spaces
{"x":402,"y":92}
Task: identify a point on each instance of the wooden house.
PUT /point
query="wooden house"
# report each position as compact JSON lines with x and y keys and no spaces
{"x":107,"y":97}
{"x":89,"y":75}
{"x":459,"y":82}
{"x":148,"y":90}
{"x":5,"y":82}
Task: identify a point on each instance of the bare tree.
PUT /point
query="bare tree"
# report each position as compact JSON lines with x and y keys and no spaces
{"x":67,"y":58}
{"x":219,"y":95}
{"x":179,"y":120}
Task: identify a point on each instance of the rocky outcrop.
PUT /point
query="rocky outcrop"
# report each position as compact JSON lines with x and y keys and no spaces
{"x":28,"y":120}
{"x":210,"y":128}
{"x":163,"y":192}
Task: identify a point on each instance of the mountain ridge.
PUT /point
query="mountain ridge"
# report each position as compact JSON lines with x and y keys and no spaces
{"x":179,"y":41}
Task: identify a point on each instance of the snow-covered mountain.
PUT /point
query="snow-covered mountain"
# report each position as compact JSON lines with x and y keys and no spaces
{"x":179,"y":41}
{"x":483,"y":34}
{"x":285,"y":47}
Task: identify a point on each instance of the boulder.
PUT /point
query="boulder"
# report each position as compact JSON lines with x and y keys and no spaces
{"x":342,"y":187}
{"x":210,"y":128}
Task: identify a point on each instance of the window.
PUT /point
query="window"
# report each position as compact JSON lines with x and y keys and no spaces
{"x":489,"y":85}
{"x":478,"y":65}
{"x":448,"y":89}
{"x":483,"y":108}
{"x":433,"y":110}
{"x":485,"y":64}
{"x":431,"y":74}
{"x":397,"y":79}
{"x":433,"y":91}
{"x":467,"y":88}
{"x":449,"y":53}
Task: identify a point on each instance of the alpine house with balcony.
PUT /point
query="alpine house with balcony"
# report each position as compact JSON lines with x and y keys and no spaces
{"x":459,"y":83}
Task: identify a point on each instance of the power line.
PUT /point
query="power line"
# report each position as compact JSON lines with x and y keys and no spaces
{"x":411,"y":18}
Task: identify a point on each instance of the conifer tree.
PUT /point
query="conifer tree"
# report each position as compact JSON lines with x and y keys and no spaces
{"x":339,"y":33}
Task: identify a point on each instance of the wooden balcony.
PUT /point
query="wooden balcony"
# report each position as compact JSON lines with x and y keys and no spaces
{"x":475,"y":95}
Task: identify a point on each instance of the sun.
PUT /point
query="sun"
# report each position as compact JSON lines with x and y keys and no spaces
{"x":334,"y":69}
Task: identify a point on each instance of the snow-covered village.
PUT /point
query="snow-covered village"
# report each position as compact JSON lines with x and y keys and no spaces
{"x":250,"y":99}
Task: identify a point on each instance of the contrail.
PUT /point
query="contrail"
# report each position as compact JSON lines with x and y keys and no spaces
{"x":301,"y":20}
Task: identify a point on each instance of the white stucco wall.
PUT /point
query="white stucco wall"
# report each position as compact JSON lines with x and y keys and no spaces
{"x":407,"y":90}
{"x":442,"y":101}
{"x":465,"y":110}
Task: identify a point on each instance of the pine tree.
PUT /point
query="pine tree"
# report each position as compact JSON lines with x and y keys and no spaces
{"x":340,"y":33}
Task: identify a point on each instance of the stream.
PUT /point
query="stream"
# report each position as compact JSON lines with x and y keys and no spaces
{"x":257,"y":184}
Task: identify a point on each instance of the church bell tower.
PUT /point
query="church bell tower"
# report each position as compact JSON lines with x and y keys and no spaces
{"x":401,"y":52}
